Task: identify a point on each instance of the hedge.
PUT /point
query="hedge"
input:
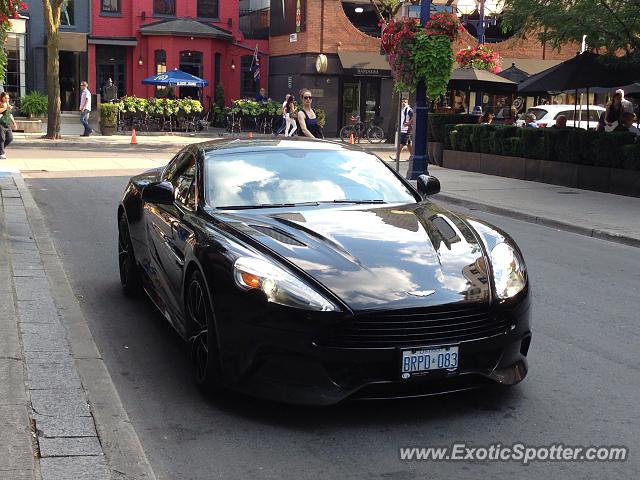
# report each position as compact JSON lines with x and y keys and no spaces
{"x":437,"y":131}
{"x":616,"y":149}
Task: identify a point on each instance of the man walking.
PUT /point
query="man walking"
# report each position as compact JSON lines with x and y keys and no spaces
{"x":85,"y":108}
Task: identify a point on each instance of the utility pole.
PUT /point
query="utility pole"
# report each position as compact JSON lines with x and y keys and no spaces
{"x":419,"y":161}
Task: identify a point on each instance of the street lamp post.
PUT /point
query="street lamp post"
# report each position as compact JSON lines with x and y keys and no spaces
{"x":418,"y":163}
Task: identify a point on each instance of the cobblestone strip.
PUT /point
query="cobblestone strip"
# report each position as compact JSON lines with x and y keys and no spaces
{"x":68,"y":444}
{"x":17,"y":457}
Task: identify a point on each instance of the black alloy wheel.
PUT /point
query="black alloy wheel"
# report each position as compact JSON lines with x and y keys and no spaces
{"x":129,"y":272}
{"x":203,"y":341}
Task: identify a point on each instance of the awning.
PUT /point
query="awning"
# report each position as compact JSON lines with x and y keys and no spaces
{"x":72,"y":42}
{"x":185,"y":27}
{"x":364,"y":64}
{"x":118,"y":41}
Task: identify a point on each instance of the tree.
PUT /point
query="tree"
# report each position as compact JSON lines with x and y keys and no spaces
{"x":8,"y":9}
{"x":612,"y":26}
{"x":52,"y":10}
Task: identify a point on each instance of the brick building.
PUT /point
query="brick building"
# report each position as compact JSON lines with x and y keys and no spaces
{"x":134,"y":39}
{"x":357,"y":78}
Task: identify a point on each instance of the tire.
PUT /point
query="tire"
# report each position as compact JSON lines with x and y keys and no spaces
{"x":130,"y":277}
{"x":203,"y":340}
{"x":375,"y":134}
{"x":345,"y":133}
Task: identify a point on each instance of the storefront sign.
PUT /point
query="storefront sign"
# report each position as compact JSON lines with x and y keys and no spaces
{"x":317,"y":92}
{"x":367,"y":72}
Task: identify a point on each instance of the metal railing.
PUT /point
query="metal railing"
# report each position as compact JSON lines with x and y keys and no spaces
{"x":254,"y":24}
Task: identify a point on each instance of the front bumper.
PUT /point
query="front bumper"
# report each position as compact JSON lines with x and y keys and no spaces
{"x":295,"y":367}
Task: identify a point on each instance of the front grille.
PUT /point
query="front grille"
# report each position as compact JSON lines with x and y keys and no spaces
{"x":416,"y":328}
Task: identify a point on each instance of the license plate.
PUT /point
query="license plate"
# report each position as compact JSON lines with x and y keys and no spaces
{"x":419,"y":361}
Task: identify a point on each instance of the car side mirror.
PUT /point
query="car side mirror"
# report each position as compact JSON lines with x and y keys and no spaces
{"x":428,"y":185}
{"x":160,"y":193}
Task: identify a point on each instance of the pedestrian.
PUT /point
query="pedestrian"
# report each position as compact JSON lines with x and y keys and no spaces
{"x":6,"y":123}
{"x":85,"y":108}
{"x":626,"y":124}
{"x":487,"y":118}
{"x":290,"y":112}
{"x":530,"y":121}
{"x":614,"y":112}
{"x":626,"y":104}
{"x":261,"y":97}
{"x":307,"y":117}
{"x":561,"y":122}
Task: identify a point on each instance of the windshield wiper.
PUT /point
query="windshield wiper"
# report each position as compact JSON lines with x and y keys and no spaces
{"x":268,"y":205}
{"x":353,"y":201}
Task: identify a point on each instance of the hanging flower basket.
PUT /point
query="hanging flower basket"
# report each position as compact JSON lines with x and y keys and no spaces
{"x":421,"y":54}
{"x":480,"y":58}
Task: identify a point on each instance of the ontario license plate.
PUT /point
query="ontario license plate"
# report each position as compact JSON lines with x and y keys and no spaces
{"x":419,"y":361}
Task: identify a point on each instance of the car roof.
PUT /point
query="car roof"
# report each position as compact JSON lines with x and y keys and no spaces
{"x":237,"y":145}
{"x":551,"y":108}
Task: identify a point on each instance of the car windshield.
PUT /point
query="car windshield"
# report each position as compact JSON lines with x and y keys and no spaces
{"x":538,"y":112}
{"x":285,"y":177}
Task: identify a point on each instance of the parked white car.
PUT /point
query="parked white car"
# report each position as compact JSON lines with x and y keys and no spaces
{"x":546,"y":115}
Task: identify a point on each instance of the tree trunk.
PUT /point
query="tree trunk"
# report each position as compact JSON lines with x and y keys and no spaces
{"x":53,"y":86}
{"x":52,"y":23}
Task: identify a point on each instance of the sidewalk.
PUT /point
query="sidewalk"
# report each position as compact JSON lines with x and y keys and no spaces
{"x":153,"y":140}
{"x":60,"y":414}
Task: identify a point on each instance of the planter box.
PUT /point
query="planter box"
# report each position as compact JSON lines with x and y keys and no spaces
{"x":593,"y":178}
{"x":436,"y":151}
{"x":502,"y":166}
{"x":556,"y":173}
{"x":624,"y":182}
{"x":469,"y":161}
{"x":29,"y":126}
{"x":107,"y":130}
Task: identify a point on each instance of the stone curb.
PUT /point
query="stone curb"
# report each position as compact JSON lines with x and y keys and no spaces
{"x":125,"y":457}
{"x":540,"y":220}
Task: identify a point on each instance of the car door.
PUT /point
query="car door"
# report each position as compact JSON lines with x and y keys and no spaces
{"x":166,"y":237}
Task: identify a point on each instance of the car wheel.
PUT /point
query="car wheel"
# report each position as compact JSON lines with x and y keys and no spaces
{"x":205,"y":354}
{"x":129,"y":272}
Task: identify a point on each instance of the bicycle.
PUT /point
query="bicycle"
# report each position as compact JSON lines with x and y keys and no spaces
{"x":369,"y":130}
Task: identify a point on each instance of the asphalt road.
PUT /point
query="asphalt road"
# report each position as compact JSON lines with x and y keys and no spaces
{"x":582,"y":388}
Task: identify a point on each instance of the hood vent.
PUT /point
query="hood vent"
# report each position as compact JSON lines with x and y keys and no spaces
{"x":278,"y":235}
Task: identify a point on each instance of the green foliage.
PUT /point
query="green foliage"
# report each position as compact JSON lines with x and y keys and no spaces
{"x":220,"y":96}
{"x":439,"y":121}
{"x":611,"y":25}
{"x":433,"y":60}
{"x":134,"y":104}
{"x":570,"y":145}
{"x":272,"y":108}
{"x":246,"y":108}
{"x":159,"y":106}
{"x":321,"y":116}
{"x":109,"y":114}
{"x":34,"y":104}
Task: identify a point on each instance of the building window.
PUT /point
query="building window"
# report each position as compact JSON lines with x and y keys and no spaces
{"x":110,"y":6}
{"x":66,"y":15}
{"x":208,"y":8}
{"x":247,"y":83}
{"x":161,"y":67}
{"x":164,"y":7}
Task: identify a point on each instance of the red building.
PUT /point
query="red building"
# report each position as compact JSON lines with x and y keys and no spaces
{"x":134,"y":39}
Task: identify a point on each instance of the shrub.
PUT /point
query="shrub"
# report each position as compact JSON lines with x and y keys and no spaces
{"x":448,"y":130}
{"x":607,"y":148}
{"x":320,"y":115}
{"x":220,"y":96}
{"x":533,"y":143}
{"x":464,"y":137}
{"x":439,"y":121}
{"x":570,"y":150}
{"x":513,"y":146}
{"x":109,"y":114}
{"x":453,"y":140}
{"x":631,"y":155}
{"x":34,"y":104}
{"x":500,"y":135}
{"x":482,"y":138}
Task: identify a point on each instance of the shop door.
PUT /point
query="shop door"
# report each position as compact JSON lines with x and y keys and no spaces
{"x":370,"y":99}
{"x":110,"y":65}
{"x":350,"y":101}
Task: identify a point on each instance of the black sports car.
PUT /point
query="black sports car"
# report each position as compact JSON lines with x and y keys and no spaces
{"x":309,"y":272}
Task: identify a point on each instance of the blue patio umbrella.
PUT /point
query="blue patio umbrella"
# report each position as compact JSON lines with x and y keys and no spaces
{"x":175,"y":78}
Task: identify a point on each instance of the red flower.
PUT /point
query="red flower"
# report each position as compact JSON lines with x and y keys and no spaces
{"x":23,"y":6}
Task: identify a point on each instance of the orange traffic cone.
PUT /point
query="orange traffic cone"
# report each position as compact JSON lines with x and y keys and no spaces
{"x":250,"y":134}
{"x":134,"y":139}
{"x":351,"y":140}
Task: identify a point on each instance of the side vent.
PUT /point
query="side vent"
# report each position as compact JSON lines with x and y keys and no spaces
{"x":278,"y":235}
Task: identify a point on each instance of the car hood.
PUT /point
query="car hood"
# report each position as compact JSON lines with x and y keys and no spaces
{"x":376,"y":257}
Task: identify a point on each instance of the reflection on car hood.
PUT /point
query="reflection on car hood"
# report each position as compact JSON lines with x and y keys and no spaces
{"x":376,"y":258}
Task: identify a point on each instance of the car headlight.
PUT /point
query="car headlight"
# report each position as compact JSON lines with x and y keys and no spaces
{"x":278,"y":285}
{"x":508,"y":271}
